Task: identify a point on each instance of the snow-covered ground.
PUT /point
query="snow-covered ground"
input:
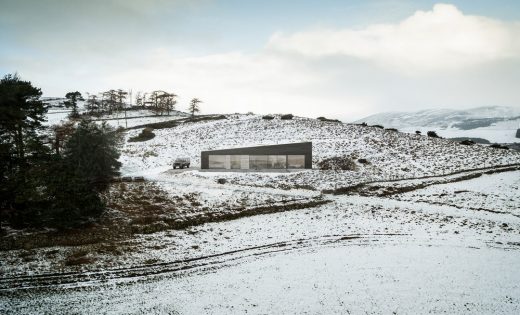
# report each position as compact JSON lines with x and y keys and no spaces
{"x":500,"y":132}
{"x":391,"y":155}
{"x":353,"y":255}
{"x":451,"y":247}
{"x":449,"y":123}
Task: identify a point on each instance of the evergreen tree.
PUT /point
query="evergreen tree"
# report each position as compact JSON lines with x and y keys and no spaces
{"x":72,"y":198}
{"x":194,"y":106}
{"x":72,"y":102}
{"x":92,"y":152}
{"x":21,"y":147}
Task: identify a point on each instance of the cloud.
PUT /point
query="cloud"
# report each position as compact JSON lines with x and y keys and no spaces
{"x":456,"y":61}
{"x":442,"y":39}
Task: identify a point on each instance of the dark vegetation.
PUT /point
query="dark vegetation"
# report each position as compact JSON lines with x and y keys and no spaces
{"x":143,"y":208}
{"x":432,"y":134}
{"x":268,"y":117}
{"x":72,"y":102}
{"x":145,"y":135}
{"x":327,"y":119}
{"x":418,"y":132}
{"x":391,"y":129}
{"x":50,"y":180}
{"x":287,"y":117}
{"x":499,"y":146}
{"x":205,"y":118}
{"x":467,"y":142}
{"x":378,"y":126}
{"x":337,"y":163}
{"x":475,"y":140}
{"x":176,"y":122}
{"x":160,"y":102}
{"x":363,"y":161}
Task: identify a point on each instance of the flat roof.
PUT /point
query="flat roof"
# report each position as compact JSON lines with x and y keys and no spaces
{"x":270,"y":146}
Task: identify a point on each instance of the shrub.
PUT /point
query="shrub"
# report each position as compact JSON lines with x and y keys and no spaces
{"x":158,"y":125}
{"x":321,"y":118}
{"x":378,"y":126}
{"x":391,"y":129}
{"x":287,"y":117}
{"x":337,"y":163}
{"x":467,"y":142}
{"x":417,"y":132}
{"x":432,"y":134}
{"x":78,"y":258}
{"x":145,"y":135}
{"x":499,"y":146}
{"x":205,"y":118}
{"x":363,"y":161}
{"x":268,"y":117}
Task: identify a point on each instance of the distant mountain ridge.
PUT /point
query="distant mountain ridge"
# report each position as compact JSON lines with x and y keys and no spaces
{"x":445,"y":118}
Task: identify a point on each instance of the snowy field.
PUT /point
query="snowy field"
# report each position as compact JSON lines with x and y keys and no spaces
{"x":424,"y":237}
{"x":391,"y":155}
{"x":353,"y":278}
{"x":354,"y":255}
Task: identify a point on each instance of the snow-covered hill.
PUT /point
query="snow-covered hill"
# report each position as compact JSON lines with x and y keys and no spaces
{"x":494,"y":123}
{"x":390,"y":154}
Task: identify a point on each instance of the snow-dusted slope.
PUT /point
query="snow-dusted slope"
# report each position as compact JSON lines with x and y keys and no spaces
{"x":445,"y":118}
{"x":391,"y":154}
{"x":494,"y":123}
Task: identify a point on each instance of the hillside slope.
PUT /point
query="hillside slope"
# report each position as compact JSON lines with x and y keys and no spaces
{"x":446,"y":118}
{"x":493,"y":123}
{"x":390,"y":154}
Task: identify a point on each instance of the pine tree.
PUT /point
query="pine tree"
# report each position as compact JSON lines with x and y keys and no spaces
{"x":72,"y":102}
{"x":92,"y":152}
{"x":21,"y":147}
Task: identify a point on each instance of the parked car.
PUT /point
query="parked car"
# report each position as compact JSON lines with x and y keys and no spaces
{"x":181,"y":163}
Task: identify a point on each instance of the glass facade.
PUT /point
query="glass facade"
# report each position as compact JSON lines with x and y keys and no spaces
{"x":235,"y":161}
{"x":277,"y":161}
{"x":256,"y":161}
{"x":296,"y":161}
{"x":217,"y":161}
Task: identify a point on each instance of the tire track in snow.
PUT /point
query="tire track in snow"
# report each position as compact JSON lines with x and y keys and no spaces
{"x":141,"y":272}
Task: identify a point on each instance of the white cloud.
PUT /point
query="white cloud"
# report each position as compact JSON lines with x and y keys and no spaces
{"x":438,"y":40}
{"x":238,"y":82}
{"x":469,"y":61}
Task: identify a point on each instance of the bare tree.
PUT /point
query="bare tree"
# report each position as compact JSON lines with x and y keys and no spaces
{"x":194,"y":106}
{"x":92,"y":104}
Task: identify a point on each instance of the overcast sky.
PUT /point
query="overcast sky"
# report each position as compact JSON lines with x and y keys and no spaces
{"x":339,"y":59}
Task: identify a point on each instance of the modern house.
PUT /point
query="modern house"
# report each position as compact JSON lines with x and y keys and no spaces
{"x":280,"y":156}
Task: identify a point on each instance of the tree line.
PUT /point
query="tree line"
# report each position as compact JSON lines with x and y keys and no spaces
{"x":50,"y":176}
{"x":159,"y":102}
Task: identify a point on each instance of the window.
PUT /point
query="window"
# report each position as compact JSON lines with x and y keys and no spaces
{"x":277,"y":161}
{"x":257,"y":161}
{"x":244,"y":162}
{"x":235,"y":161}
{"x":296,"y":161}
{"x":217,"y":161}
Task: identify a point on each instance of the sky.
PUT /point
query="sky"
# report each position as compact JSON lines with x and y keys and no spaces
{"x":338,"y":59}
